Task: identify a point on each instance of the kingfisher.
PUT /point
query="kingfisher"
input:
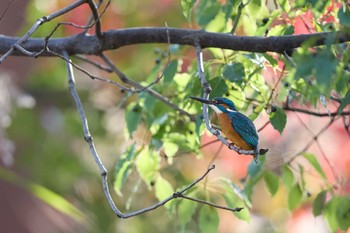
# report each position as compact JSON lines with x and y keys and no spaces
{"x":237,"y":127}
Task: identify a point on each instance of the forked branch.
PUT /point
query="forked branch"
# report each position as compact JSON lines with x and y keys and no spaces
{"x":207,"y":89}
{"x":88,"y":138}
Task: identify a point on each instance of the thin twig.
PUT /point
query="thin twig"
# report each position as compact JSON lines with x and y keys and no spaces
{"x":97,"y":18}
{"x":24,"y":51}
{"x":87,"y":135}
{"x":96,"y":64}
{"x":139,"y":87}
{"x":264,"y":126}
{"x":134,"y":84}
{"x":315,"y":137}
{"x":237,"y":209}
{"x":211,"y":162}
{"x":332,"y":114}
{"x":207,"y":89}
{"x":293,"y":157}
{"x":276,"y":85}
{"x":36,"y":25}
{"x":5,"y":9}
{"x":330,"y":165}
{"x":91,"y":20}
{"x":238,"y":16}
{"x":346,"y":124}
{"x":88,"y":138}
{"x":93,"y":77}
{"x":167,"y":64}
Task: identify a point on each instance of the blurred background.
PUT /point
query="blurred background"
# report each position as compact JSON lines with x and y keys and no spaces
{"x":49,"y":181}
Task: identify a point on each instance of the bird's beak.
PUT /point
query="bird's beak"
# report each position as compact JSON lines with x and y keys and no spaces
{"x":206,"y":101}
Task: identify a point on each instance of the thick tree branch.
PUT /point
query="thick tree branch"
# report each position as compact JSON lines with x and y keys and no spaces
{"x":86,"y":44}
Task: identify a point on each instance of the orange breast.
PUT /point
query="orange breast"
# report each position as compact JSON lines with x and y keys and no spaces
{"x":230,"y":133}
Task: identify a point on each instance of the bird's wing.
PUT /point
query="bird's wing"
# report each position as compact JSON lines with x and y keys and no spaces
{"x":245,"y":128}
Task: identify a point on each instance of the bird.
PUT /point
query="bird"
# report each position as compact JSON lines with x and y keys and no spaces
{"x":236,"y":126}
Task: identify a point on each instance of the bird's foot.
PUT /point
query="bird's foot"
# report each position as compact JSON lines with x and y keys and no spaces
{"x":233,"y":146}
{"x":263,"y":151}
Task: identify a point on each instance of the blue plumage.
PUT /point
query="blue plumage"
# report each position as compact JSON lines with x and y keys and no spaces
{"x":245,"y":128}
{"x":240,"y":122}
{"x":237,"y":127}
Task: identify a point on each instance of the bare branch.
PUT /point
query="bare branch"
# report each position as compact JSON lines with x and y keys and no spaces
{"x":87,"y":135}
{"x":103,"y":170}
{"x":346,"y":123}
{"x":96,"y":64}
{"x":113,"y":39}
{"x":238,"y":15}
{"x":332,"y":114}
{"x":6,"y":8}
{"x":263,"y":127}
{"x":207,"y":90}
{"x":237,"y":209}
{"x":307,"y":146}
{"x":139,"y":88}
{"x":42,"y":20}
{"x":93,"y":76}
{"x":97,"y":18}
{"x":168,"y":62}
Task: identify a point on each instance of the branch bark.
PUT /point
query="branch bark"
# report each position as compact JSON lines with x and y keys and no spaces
{"x":113,"y":39}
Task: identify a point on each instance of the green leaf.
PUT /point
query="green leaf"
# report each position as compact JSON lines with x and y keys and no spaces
{"x":287,"y":176}
{"x":186,"y":210}
{"x":319,"y":203}
{"x":56,"y":201}
{"x":187,"y":6}
{"x":234,"y":72}
{"x":208,"y":219}
{"x":227,"y":9}
{"x":288,"y":30}
{"x":272,"y":182}
{"x":254,"y":169}
{"x":170,"y":150}
{"x":343,"y":213}
{"x":206,"y":11}
{"x":314,"y":162}
{"x":278,"y":119}
{"x":153,"y":74}
{"x":235,"y":199}
{"x":325,"y":65}
{"x":344,"y":16}
{"x":182,"y":79}
{"x":270,"y":59}
{"x":147,"y":164}
{"x":344,"y":102}
{"x":315,"y":4}
{"x":170,"y":71}
{"x":255,"y":173}
{"x":295,"y":197}
{"x":199,"y":121}
{"x":219,"y":87}
{"x":305,"y":62}
{"x":337,"y":213}
{"x":133,"y":115}
{"x":163,"y":189}
{"x":124,"y":168}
